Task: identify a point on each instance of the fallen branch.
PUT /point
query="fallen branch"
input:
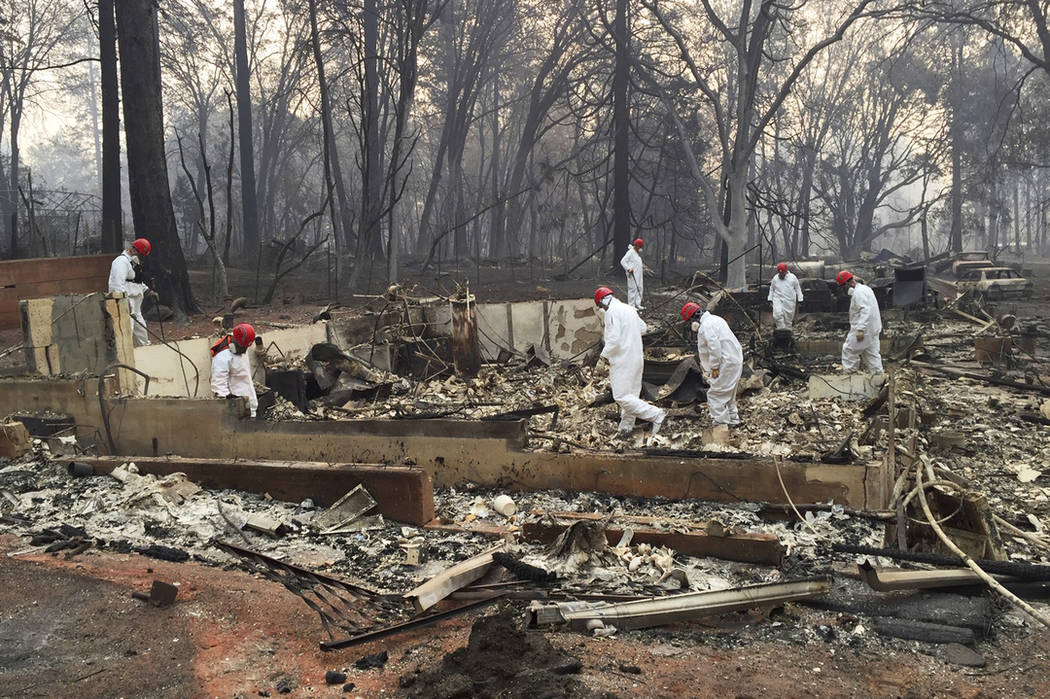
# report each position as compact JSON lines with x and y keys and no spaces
{"x":988,"y":579}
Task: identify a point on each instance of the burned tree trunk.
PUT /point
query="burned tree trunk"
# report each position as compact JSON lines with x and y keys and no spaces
{"x":112,"y":233}
{"x":249,"y":208}
{"x":151,"y":207}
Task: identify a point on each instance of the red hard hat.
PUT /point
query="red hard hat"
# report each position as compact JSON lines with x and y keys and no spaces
{"x":638,"y":242}
{"x":601,"y":293}
{"x":782,"y":267}
{"x":689,"y":310}
{"x":142,"y":245}
{"x":843,"y":277}
{"x":243,"y":334}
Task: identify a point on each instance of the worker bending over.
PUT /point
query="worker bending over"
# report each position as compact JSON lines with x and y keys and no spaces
{"x":784,"y":293}
{"x":722,"y":360}
{"x":231,"y":372}
{"x":623,"y":350}
{"x":865,"y":324}
{"x":632,"y":264}
{"x":125,"y":275}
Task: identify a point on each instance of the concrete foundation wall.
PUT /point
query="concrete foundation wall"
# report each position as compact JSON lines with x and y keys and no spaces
{"x":75,"y":333}
{"x":451,"y":451}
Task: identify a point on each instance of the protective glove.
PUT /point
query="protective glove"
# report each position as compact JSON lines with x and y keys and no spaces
{"x":153,"y":294}
{"x":714,"y":373}
{"x":860,"y":336}
{"x":230,"y":396}
{"x":253,"y":413}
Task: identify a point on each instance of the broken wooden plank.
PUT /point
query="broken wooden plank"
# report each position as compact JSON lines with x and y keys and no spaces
{"x":448,"y":581}
{"x":672,"y":609}
{"x":892,"y":579}
{"x":759,"y":548}
{"x":1024,"y":571}
{"x":403,"y":493}
{"x":483,"y":528}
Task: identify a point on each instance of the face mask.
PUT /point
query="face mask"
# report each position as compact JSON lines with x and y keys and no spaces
{"x":605,"y":302}
{"x":695,"y":326}
{"x":849,"y":291}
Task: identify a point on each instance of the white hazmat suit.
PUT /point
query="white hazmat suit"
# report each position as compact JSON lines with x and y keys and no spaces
{"x":632,"y":265}
{"x":623,"y":349}
{"x":718,"y":348}
{"x":121,"y":279}
{"x":784,"y":293}
{"x":231,"y":374}
{"x":864,"y":318}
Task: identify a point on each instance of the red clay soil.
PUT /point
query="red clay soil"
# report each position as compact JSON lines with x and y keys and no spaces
{"x":71,"y":628}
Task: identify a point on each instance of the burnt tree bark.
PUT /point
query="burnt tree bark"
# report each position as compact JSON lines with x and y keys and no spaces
{"x":249,"y":207}
{"x":112,"y":233}
{"x":151,"y":207}
{"x":621,"y":144}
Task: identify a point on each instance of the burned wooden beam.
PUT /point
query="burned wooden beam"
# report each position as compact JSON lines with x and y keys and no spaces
{"x":403,"y":493}
{"x":764,"y":549}
{"x":923,"y":631}
{"x":1024,"y":571}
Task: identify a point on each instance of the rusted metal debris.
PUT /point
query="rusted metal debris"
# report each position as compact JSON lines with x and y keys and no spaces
{"x":340,"y":604}
{"x":161,"y":594}
{"x":410,"y":624}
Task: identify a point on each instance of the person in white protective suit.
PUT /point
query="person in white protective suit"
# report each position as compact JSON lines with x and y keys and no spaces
{"x":865,"y":324}
{"x":231,"y":371}
{"x":125,"y":276}
{"x":632,"y":264}
{"x":722,"y":360}
{"x":623,"y":350}
{"x":784,"y":293}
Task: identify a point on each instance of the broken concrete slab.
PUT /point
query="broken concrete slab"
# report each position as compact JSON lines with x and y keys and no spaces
{"x":845,"y":386}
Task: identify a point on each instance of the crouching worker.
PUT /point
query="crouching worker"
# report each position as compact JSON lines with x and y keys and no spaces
{"x":231,"y":372}
{"x":722,"y":360}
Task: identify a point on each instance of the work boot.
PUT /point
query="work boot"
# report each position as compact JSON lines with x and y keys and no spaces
{"x":658,"y":422}
{"x":623,"y":433}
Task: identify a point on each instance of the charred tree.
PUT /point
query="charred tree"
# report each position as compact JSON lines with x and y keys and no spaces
{"x":112,"y":233}
{"x":249,"y":207}
{"x":621,"y":127}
